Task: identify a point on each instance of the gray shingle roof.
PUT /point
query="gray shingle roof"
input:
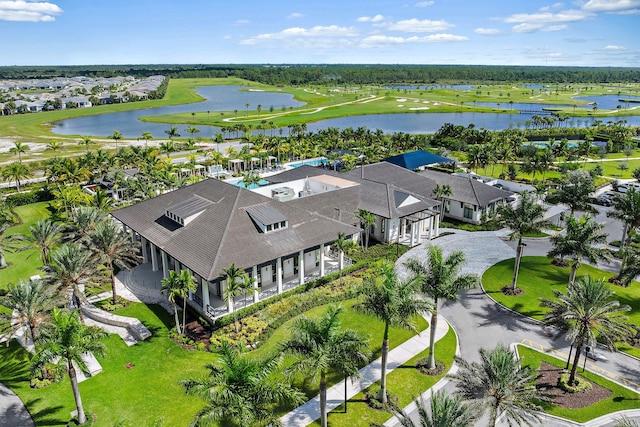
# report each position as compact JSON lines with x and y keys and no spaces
{"x":266,"y":214}
{"x":188,"y":207}
{"x":224,"y":233}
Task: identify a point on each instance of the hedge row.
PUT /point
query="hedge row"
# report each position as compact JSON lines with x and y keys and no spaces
{"x":20,"y":199}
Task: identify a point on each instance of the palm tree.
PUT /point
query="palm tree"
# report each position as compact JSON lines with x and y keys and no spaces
{"x":233,"y":276}
{"x":589,"y":315}
{"x":116,"y":136}
{"x":241,"y":391}
{"x":188,"y":284}
{"x":86,"y":141}
{"x":29,"y":303}
{"x":172,"y":286}
{"x":72,"y":267}
{"x":17,"y":172}
{"x":322,"y":347}
{"x":367,"y":220}
{"x":626,"y":208}
{"x":147,"y":137}
{"x":54,"y":145}
{"x":526,"y":217}
{"x":83,"y":223}
{"x":500,"y":385}
{"x":342,"y":245}
{"x":578,"y":243}
{"x":394,"y":302}
{"x":6,"y":242}
{"x":65,"y":341}
{"x":440,"y":280}
{"x":251,"y":179}
{"x":575,"y":191}
{"x":44,"y":234}
{"x":440,"y":192}
{"x":113,"y":247}
{"x":19,"y":148}
{"x":446,"y":411}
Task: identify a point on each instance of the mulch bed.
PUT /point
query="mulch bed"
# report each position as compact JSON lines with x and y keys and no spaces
{"x":508,"y":290}
{"x":547,"y":380}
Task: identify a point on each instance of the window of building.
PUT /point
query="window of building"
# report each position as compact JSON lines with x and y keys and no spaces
{"x":468,"y":212}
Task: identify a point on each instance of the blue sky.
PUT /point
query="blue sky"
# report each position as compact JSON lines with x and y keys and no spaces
{"x":493,"y":32}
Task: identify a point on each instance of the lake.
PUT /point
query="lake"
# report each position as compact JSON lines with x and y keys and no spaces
{"x":225,"y":98}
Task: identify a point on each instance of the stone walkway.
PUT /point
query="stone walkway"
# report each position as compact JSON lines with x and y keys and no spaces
{"x":305,"y":414}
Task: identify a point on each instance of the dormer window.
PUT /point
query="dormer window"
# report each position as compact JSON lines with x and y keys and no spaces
{"x":187,"y":210}
{"x":267,"y":218}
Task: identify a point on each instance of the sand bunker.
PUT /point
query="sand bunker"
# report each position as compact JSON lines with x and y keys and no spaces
{"x":419,"y":108}
{"x":400,"y":105}
{"x":402,"y":100}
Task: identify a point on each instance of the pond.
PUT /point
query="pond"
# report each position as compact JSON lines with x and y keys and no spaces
{"x":225,"y":98}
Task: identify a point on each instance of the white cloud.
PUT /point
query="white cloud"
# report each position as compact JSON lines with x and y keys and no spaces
{"x":376,"y":18}
{"x":419,"y":26}
{"x":424,"y":3}
{"x":20,"y":10}
{"x":242,"y":21}
{"x":614,"y":47}
{"x":227,"y":37}
{"x":382,"y":40}
{"x":295,"y":15}
{"x":330,"y":31}
{"x":554,"y":28}
{"x":610,"y":5}
{"x":545,"y":20}
{"x":487,"y":31}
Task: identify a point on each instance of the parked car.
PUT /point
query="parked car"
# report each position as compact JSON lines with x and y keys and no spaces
{"x":591,"y":353}
{"x":602,"y":200}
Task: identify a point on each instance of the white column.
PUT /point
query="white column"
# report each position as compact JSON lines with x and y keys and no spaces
{"x":279,"y":274}
{"x":165,"y":265}
{"x":341,"y":260}
{"x":230,"y":303}
{"x":154,"y":257}
{"x":413,"y":235}
{"x":322,"y":260}
{"x":301,"y":267}
{"x":145,"y":257}
{"x":132,"y":234}
{"x":205,"y":295}
{"x":430,"y":226}
{"x":437,"y":226}
{"x":255,"y":283}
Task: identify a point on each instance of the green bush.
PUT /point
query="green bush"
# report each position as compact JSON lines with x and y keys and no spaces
{"x":581,"y":384}
{"x":21,"y":199}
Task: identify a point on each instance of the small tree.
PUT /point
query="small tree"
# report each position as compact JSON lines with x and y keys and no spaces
{"x":29,"y":304}
{"x":440,"y":192}
{"x":446,"y":411}
{"x":367,"y":220}
{"x":173,"y":288}
{"x":342,"y":245}
{"x":233,"y":276}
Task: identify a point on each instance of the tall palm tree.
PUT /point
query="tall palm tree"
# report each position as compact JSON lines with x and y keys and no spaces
{"x":241,"y":391}
{"x":114,"y":247}
{"x":7,"y":243}
{"x":575,"y":191}
{"x":321,"y":347}
{"x":626,"y":208}
{"x":172,"y":132}
{"x":84,"y":221}
{"x":19,"y":148}
{"x":446,"y":411}
{"x":367,"y":220}
{"x":500,"y":385}
{"x":116,"y":136}
{"x":589,"y":315}
{"x":578,"y":243}
{"x":526,"y":217}
{"x":44,"y":234}
{"x":147,"y":137}
{"x":342,"y":245}
{"x":54,"y":145}
{"x":440,"y":280}
{"x":29,"y":304}
{"x":172,"y":286}
{"x":188,"y":284}
{"x":72,"y":267}
{"x":394,"y":302}
{"x":233,"y":276}
{"x":65,"y":341}
{"x":440,"y":192}
{"x":86,"y":141}
{"x":17,"y":172}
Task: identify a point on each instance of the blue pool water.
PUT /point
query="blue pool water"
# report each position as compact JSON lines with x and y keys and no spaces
{"x":252,"y":186}
{"x":313,"y":162}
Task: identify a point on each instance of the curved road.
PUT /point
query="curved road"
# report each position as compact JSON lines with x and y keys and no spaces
{"x":481,"y":322}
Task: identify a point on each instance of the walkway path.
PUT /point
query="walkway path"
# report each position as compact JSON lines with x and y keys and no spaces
{"x":13,"y":413}
{"x":305,"y":414}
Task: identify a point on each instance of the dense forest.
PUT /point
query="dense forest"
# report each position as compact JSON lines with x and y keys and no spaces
{"x":342,"y":74}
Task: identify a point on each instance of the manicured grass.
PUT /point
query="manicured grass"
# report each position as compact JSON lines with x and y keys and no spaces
{"x":405,"y":382}
{"x":23,"y":264}
{"x":620,"y":400}
{"x":539,"y":278}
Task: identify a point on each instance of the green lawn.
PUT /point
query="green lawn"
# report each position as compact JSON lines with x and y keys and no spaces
{"x":621,"y":398}
{"x":405,"y":382}
{"x":150,"y":391}
{"x":539,"y":278}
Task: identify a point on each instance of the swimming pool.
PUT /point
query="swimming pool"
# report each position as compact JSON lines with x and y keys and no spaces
{"x":311,"y":162}
{"x":252,"y":186}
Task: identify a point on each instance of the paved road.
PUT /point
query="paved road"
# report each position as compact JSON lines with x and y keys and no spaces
{"x":12,"y":410}
{"x":480,"y":322}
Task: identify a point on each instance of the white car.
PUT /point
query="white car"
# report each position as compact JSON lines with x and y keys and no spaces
{"x":593,"y":354}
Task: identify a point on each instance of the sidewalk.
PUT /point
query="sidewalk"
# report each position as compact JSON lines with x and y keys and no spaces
{"x":305,"y":414}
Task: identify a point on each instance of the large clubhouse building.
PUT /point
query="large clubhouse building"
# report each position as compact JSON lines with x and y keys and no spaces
{"x":281,"y":233}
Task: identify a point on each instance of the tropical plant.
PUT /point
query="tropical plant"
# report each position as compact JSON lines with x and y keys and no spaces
{"x":440,"y":192}
{"x":526,"y":217}
{"x":251,"y":179}
{"x":233,"y":287}
{"x":188,"y":284}
{"x":16,"y":172}
{"x":575,"y":191}
{"x":116,"y":136}
{"x":6,"y":242}
{"x":172,"y":287}
{"x":86,"y":141}
{"x":19,"y":148}
{"x":588,"y":315}
{"x":241,"y":391}
{"x":342,"y":245}
{"x":579,"y":242}
{"x":43,"y":235}
{"x":367,"y":220}
{"x":65,"y":341}
{"x":321,"y":347}
{"x":626,"y":208}
{"x":499,"y":385}
{"x":72,"y":267}
{"x":114,"y":248}
{"x":29,"y":304}
{"x":446,"y":411}
{"x":395,"y":303}
{"x":440,"y":280}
